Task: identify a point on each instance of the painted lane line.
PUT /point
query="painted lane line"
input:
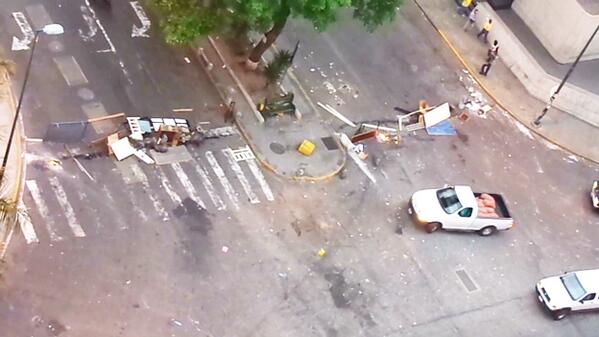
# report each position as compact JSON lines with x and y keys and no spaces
{"x":241,"y":177}
{"x":143,"y":18}
{"x":261,"y":179}
{"x":28,"y":35}
{"x":26,"y":225}
{"x":220,"y":174}
{"x":187,"y":185}
{"x":42,"y":209}
{"x":209,"y":187}
{"x":91,"y":24}
{"x":168,"y":187}
{"x":66,"y":207}
{"x":138,"y":172}
{"x":96,"y":217}
{"x":111,"y":48}
{"x":115,"y":208}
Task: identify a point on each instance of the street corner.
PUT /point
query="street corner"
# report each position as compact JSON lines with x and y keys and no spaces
{"x":297,"y":158}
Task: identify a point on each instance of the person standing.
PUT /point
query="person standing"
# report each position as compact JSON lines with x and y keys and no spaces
{"x":471,"y":19}
{"x":464,"y":9}
{"x":492,"y":55}
{"x":484,"y":32}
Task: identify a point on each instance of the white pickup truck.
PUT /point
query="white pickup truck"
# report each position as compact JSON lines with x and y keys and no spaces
{"x":458,"y":208}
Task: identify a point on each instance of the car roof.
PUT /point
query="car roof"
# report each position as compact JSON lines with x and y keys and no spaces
{"x":465,"y":195}
{"x":589,"y":279}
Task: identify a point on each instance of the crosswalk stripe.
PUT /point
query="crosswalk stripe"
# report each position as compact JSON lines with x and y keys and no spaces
{"x":168,"y":187}
{"x":117,"y":212}
{"x":260,"y":177}
{"x":242,"y":179}
{"x":216,"y":199}
{"x":26,"y":225}
{"x":66,"y":207}
{"x":138,"y":172}
{"x":187,"y":185}
{"x":43,"y":209}
{"x":220,"y":174}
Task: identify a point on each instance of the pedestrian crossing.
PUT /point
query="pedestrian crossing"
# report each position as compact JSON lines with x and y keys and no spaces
{"x":61,"y":205}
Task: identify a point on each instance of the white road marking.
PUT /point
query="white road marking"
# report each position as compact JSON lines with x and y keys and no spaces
{"x":26,"y":225}
{"x":261,"y":180}
{"x":43,"y":209}
{"x":91,"y":24}
{"x":114,"y":206}
{"x":111,"y":48}
{"x":138,"y":172}
{"x":66,"y":207}
{"x":242,"y":179}
{"x":168,"y":187}
{"x":220,"y":174}
{"x":207,"y":182}
{"x":143,"y":18}
{"x":28,"y":35}
{"x":187,"y":185}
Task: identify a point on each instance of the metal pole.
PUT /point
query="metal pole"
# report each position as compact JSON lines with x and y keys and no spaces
{"x":537,"y":121}
{"x":14,"y":122}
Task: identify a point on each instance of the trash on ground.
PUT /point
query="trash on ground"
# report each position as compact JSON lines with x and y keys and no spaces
{"x":122,"y":148}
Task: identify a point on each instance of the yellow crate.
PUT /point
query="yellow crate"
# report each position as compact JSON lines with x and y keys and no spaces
{"x":306,"y":148}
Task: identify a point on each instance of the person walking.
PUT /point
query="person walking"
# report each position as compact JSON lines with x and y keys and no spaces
{"x":471,"y":19}
{"x":492,"y":55}
{"x":464,"y":8}
{"x":484,"y":32}
{"x":230,"y":112}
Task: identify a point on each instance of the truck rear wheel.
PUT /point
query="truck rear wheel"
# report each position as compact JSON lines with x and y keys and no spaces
{"x":486,"y":231}
{"x":432,"y":227}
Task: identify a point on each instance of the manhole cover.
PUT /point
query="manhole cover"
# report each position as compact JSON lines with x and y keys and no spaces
{"x":329,"y":143}
{"x":277,"y":148}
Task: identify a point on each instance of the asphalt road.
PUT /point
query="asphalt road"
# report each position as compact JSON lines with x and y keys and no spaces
{"x":254,"y":271}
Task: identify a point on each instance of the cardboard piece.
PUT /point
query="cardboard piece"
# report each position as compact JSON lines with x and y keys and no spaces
{"x":122,"y":148}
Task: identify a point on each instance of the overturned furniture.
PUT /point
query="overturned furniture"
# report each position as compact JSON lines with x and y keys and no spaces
{"x":424,"y":117}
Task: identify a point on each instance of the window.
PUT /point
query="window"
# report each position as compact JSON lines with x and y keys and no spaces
{"x":466,"y":212}
{"x":573,"y":286}
{"x":589,"y":297}
{"x":449,"y":200}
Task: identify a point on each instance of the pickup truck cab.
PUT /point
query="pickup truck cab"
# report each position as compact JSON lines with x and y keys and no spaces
{"x":572,"y":291}
{"x":458,"y":208}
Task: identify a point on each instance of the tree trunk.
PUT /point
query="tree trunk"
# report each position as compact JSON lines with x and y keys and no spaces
{"x":269,"y":38}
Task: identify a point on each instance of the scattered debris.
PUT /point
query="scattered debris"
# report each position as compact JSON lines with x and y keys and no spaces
{"x":224,"y":249}
{"x":321,"y":252}
{"x":336,"y":113}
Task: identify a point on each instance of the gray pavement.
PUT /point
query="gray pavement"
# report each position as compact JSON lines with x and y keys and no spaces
{"x":559,"y":127}
{"x":275,"y":140}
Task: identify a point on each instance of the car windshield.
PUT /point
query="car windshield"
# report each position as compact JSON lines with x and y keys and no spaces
{"x":573,"y":286}
{"x":449,"y":200}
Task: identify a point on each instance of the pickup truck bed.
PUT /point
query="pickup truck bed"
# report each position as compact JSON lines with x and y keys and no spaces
{"x":500,"y":208}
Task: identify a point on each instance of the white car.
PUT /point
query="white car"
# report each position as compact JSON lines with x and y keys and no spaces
{"x":572,"y":291}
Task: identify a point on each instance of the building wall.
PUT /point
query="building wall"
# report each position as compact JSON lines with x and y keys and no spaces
{"x":562,"y":26}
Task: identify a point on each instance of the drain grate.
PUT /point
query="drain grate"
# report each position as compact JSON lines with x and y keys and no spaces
{"x":466,"y":280}
{"x":329,"y":143}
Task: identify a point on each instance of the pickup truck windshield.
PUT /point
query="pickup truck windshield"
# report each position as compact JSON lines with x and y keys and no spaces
{"x":449,"y":200}
{"x":573,"y":286}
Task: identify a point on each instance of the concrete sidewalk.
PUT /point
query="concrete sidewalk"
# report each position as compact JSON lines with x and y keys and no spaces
{"x":11,"y":184}
{"x":275,"y":140}
{"x":559,"y":127}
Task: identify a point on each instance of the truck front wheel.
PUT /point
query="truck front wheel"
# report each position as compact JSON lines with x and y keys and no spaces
{"x":559,"y":314}
{"x":432,"y":227}
{"x":486,"y":231}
